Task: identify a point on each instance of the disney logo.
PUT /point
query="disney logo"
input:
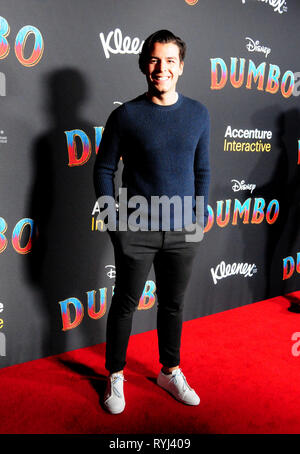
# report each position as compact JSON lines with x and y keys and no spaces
{"x":254,"y":46}
{"x":122,"y":46}
{"x":111,"y":272}
{"x":242,"y":186}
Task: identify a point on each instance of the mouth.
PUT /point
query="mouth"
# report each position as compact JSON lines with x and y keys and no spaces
{"x":161,"y":78}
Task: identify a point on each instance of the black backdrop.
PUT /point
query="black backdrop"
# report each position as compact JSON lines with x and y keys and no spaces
{"x":64,"y":67}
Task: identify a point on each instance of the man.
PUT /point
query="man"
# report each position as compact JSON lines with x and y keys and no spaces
{"x":162,"y":137}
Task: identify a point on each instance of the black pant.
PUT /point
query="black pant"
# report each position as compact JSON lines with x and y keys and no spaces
{"x":172,"y":258}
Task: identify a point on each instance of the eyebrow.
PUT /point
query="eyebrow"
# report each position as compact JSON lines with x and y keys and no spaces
{"x":170,"y":57}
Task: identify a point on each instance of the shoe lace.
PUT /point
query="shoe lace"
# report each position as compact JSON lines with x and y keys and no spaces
{"x":174,"y":379}
{"x":116,"y":379}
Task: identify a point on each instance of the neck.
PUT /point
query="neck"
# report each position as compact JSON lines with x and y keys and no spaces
{"x":164,"y":99}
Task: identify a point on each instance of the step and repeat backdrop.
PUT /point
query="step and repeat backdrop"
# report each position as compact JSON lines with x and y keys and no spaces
{"x":64,"y":66}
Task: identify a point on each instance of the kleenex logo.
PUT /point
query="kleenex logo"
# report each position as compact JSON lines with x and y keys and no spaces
{"x":279,"y":6}
{"x":121,"y":45}
{"x":224,"y":270}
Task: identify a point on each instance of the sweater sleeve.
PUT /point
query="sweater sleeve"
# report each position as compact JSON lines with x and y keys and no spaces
{"x":107,"y":159}
{"x":201,"y":164}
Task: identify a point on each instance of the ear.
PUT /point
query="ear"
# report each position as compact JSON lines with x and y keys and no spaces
{"x":181,"y":65}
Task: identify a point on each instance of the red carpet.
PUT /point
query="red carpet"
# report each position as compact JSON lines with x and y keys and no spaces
{"x":240,"y":361}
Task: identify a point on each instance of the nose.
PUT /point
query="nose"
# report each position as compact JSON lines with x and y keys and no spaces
{"x":161,"y":65}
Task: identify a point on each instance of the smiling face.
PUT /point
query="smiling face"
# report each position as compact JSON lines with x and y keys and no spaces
{"x":163,"y":69}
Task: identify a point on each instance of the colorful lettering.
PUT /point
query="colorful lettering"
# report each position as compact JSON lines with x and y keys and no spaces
{"x":18,"y":233}
{"x":215,"y":83}
{"x":98,"y":136}
{"x":241,"y":210}
{"x":4,"y":32}
{"x":147,"y":299}
{"x":65,"y":306}
{"x":20,"y":43}
{"x":288,"y":267}
{"x":223,"y":222}
{"x":269,"y":218}
{"x":256,"y":73}
{"x":273,"y":79}
{"x":287,"y":92}
{"x":237,"y":83}
{"x":3,"y":239}
{"x":92,"y":303}
{"x":74,"y":159}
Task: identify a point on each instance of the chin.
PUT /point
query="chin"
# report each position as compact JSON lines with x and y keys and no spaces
{"x":158,"y":91}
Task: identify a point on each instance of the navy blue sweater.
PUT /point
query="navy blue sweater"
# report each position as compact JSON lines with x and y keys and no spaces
{"x":165,"y":150}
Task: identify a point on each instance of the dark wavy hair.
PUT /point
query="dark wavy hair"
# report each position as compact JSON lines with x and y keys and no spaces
{"x":161,"y":36}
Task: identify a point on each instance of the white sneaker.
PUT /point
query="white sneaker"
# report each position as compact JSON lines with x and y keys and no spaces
{"x":177,"y":385}
{"x":114,"y":400}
